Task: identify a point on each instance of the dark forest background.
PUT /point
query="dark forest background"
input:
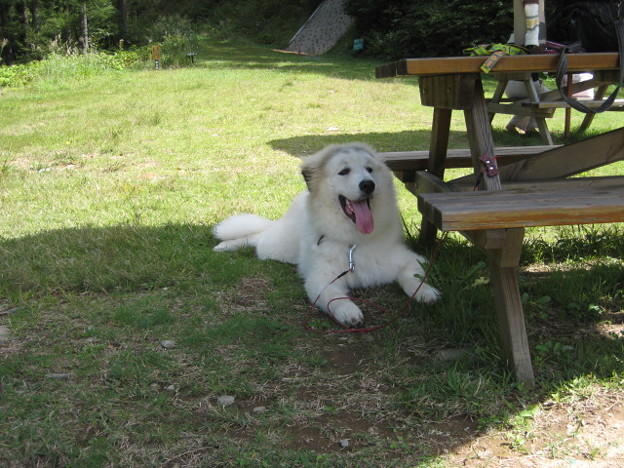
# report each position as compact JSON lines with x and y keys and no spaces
{"x":31,"y":29}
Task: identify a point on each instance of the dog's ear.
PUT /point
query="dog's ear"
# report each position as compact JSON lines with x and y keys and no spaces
{"x":307,"y":177}
{"x":312,"y":165}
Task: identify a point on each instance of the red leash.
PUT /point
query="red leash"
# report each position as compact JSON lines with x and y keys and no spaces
{"x":346,"y":328}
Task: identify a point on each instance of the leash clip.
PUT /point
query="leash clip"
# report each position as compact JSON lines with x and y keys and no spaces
{"x":491,"y":168}
{"x":351,"y":262}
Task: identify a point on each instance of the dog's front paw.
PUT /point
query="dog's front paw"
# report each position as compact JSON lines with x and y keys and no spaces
{"x":347,"y":313}
{"x":221,"y":247}
{"x":230,"y":245}
{"x":427,"y":294}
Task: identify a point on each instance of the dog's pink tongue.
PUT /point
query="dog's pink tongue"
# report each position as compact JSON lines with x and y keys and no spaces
{"x":363,"y":216}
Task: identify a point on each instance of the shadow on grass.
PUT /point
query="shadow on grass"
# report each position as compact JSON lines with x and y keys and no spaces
{"x":465,"y":395}
{"x":400,"y":141}
{"x":253,"y":57}
{"x":408,"y":140}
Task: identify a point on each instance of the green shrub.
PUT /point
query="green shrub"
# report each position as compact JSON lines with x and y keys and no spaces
{"x":57,"y":68}
{"x":429,"y":28}
{"x":19,"y":75}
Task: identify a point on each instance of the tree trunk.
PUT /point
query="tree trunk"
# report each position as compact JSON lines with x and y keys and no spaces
{"x":85,"y":29}
{"x":123,"y":18}
{"x":34,"y":14}
{"x":23,"y":8}
{"x":5,"y":44}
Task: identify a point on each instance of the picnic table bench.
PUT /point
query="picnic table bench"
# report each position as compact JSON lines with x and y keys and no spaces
{"x":518,"y":188}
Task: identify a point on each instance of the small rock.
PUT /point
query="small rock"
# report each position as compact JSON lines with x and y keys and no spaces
{"x":4,"y":334}
{"x":58,"y":376}
{"x":170,"y":388}
{"x":6,"y":310}
{"x":344,"y":443}
{"x":225,"y":400}
{"x":451,"y":354}
{"x":168,"y":344}
{"x":259,"y":409}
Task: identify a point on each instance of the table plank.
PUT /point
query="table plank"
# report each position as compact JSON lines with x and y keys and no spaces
{"x":458,"y":211}
{"x":567,"y":160}
{"x":516,"y":63}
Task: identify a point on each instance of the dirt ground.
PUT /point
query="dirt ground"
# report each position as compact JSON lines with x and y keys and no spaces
{"x":583,"y":433}
{"x":587,"y":433}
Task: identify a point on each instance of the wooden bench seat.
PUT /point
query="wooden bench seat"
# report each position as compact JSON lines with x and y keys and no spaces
{"x":618,"y":104}
{"x":464,"y":211}
{"x":456,"y":158}
{"x":495,"y":220}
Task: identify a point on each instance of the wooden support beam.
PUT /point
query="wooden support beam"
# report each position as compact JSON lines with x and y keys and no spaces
{"x":568,"y":160}
{"x":503,"y":265}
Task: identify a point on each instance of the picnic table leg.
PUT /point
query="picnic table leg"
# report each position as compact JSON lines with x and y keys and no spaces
{"x":541,"y":121}
{"x":504,"y":264}
{"x":437,"y":155}
{"x":480,"y":135}
{"x":589,"y":118}
{"x":498,"y":95}
{"x":504,"y":260}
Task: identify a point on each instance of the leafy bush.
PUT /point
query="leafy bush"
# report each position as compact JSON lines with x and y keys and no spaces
{"x":429,"y":28}
{"x":56,"y":68}
{"x":19,"y":75}
{"x":175,"y":49}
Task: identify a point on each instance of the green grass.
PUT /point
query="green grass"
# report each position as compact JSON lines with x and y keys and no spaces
{"x":110,"y":182}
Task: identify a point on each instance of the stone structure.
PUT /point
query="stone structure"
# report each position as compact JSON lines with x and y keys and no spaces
{"x":322,"y":29}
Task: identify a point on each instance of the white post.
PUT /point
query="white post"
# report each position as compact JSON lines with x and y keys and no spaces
{"x":529,"y":23}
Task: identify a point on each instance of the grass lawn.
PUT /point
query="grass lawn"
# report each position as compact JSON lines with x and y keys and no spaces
{"x":120,"y":328}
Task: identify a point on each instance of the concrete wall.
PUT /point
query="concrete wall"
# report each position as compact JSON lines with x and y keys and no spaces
{"x":322,"y":30}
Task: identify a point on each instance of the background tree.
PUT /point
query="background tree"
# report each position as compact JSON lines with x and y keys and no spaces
{"x":429,"y":28}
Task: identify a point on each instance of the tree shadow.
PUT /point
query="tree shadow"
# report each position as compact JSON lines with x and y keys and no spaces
{"x":407,"y":140}
{"x":238,"y":56}
{"x":411,"y":140}
{"x":177,"y":260}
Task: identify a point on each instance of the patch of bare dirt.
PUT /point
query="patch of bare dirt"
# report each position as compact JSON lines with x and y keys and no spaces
{"x":250,"y":295}
{"x":585,"y":433}
{"x":333,"y":432}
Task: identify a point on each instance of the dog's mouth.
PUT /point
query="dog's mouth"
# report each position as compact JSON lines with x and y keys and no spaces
{"x":359,"y":212}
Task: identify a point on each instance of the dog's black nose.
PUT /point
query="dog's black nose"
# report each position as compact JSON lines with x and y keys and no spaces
{"x":367,"y":186}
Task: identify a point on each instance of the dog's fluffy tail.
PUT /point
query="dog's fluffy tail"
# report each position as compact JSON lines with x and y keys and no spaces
{"x":239,"y":231}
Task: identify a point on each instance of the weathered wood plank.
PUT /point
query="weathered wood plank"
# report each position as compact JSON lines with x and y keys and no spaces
{"x":516,"y":63}
{"x":510,"y":317}
{"x":580,"y":183}
{"x":426,"y":182}
{"x":456,"y":158}
{"x":519,"y":108}
{"x":436,"y":162}
{"x":447,"y":91}
{"x":618,"y":104}
{"x":568,"y":160}
{"x":457,"y":211}
{"x":480,"y":137}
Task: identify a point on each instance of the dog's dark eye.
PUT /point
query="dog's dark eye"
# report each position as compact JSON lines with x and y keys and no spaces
{"x":345,"y":171}
{"x":369,"y":169}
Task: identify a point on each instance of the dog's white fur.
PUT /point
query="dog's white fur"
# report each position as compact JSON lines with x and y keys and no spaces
{"x":316,"y":233}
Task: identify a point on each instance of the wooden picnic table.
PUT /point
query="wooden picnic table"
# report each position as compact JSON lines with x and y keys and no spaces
{"x":530,"y":189}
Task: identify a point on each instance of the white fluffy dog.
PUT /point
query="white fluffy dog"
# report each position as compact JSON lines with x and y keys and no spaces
{"x":349,"y":212}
